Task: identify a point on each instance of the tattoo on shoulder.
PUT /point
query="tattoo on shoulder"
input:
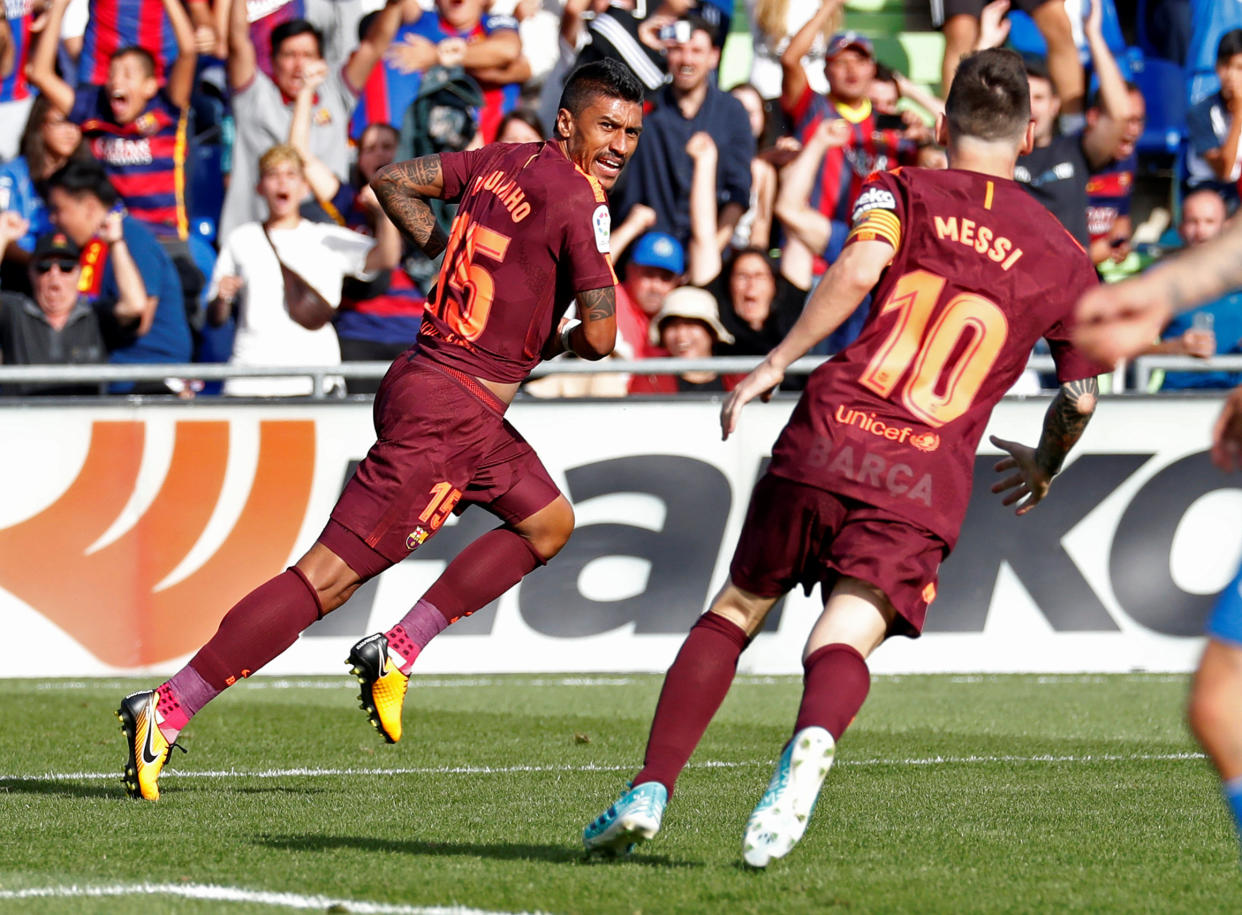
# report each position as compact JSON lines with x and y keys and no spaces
{"x":417,"y":173}
{"x":598,"y":304}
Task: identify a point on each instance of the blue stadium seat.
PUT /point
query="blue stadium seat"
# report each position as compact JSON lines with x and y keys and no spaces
{"x":1209,"y":21}
{"x":1162,"y":86}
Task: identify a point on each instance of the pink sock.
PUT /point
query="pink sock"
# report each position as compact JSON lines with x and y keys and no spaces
{"x":411,"y":635}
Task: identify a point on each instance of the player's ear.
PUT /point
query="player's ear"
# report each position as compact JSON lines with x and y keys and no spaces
{"x":1028,"y":139}
{"x":564,"y":124}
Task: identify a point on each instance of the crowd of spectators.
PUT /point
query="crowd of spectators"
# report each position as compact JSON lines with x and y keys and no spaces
{"x":187,"y":180}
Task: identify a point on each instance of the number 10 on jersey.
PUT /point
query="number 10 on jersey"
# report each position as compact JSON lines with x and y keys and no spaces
{"x":944,"y":361}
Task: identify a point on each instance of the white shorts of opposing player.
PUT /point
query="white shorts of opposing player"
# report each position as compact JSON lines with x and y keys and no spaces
{"x":779,"y":819}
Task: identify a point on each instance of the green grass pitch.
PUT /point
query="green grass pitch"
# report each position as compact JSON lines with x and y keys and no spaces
{"x":950,"y":794}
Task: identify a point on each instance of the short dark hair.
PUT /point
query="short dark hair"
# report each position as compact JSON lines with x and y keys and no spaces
{"x":143,"y":55}
{"x":81,"y":177}
{"x":1230,"y":44}
{"x":607,"y":77}
{"x":989,"y":98}
{"x":698,"y":23}
{"x":884,"y":74}
{"x":1037,"y":68}
{"x":292,"y":29}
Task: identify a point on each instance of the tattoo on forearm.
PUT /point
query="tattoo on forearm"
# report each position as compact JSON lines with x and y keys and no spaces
{"x":1065,"y":421}
{"x":402,"y":192}
{"x":597,"y":304}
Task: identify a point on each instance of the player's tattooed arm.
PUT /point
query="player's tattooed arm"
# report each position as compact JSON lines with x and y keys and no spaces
{"x":403,"y":189}
{"x":595,"y":337}
{"x":1065,"y":421}
{"x":1031,"y":469}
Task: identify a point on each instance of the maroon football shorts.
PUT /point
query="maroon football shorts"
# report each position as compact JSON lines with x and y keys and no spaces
{"x":796,"y":534}
{"x":442,"y":444}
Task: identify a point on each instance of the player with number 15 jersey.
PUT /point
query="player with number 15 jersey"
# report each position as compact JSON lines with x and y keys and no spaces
{"x":530,"y":235}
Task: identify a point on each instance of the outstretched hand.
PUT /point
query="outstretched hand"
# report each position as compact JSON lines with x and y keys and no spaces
{"x":1029,"y":483}
{"x":761,"y":383}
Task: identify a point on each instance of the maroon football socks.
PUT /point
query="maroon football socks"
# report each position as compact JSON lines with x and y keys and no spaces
{"x":694,"y":687}
{"x":834,"y":686}
{"x":483,"y":571}
{"x":259,"y":627}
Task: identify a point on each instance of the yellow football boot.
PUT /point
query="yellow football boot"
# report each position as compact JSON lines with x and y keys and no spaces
{"x":383,"y":685}
{"x":148,"y":749}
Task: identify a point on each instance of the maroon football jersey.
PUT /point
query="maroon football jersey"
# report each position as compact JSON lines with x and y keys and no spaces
{"x":530,"y":233}
{"x":980,"y":271}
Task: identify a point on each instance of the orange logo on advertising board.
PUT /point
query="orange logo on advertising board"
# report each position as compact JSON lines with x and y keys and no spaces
{"x":107,"y":599}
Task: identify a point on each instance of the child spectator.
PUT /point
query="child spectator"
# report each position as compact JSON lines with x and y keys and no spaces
{"x":272,"y":273}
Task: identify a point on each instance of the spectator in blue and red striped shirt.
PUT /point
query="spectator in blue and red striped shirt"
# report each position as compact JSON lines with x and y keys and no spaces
{"x":15,"y":94}
{"x":135,"y":128}
{"x":850,"y":65}
{"x":113,"y":25}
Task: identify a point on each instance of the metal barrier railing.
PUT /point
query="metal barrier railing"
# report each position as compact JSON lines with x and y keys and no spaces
{"x":320,"y":374}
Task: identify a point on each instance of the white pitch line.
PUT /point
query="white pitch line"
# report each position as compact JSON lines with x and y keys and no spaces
{"x":214,"y":893}
{"x":309,"y":772}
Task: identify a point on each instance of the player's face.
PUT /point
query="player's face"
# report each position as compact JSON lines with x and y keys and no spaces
{"x":601,"y":139}
{"x":283,"y":187}
{"x":1132,"y":127}
{"x":691,"y":62}
{"x":130,"y":87}
{"x":461,"y":14}
{"x":55,"y":289}
{"x":291,"y":59}
{"x":686,"y":338}
{"x":59,"y":134}
{"x":648,"y":286}
{"x":752,"y":289}
{"x":78,"y":217}
{"x":850,"y":73}
{"x":1044,"y":107}
{"x":1203,"y":218}
{"x":377,"y":149}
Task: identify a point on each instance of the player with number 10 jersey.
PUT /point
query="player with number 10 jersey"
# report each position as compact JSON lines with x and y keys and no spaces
{"x":979,"y":273}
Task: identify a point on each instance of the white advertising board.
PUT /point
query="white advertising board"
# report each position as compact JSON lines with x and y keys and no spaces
{"x":127,"y":532}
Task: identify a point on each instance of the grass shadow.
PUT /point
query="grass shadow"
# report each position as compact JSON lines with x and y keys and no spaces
{"x":110,"y":788}
{"x":500,"y":851}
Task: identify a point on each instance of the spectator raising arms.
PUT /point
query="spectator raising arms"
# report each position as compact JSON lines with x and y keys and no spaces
{"x":662,"y":171}
{"x":135,"y":128}
{"x":263,"y":106}
{"x":15,"y":94}
{"x":865,"y":147}
{"x":458,"y":33}
{"x":273,"y":273}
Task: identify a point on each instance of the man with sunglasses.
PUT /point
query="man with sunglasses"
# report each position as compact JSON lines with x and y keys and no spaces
{"x":56,"y":326}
